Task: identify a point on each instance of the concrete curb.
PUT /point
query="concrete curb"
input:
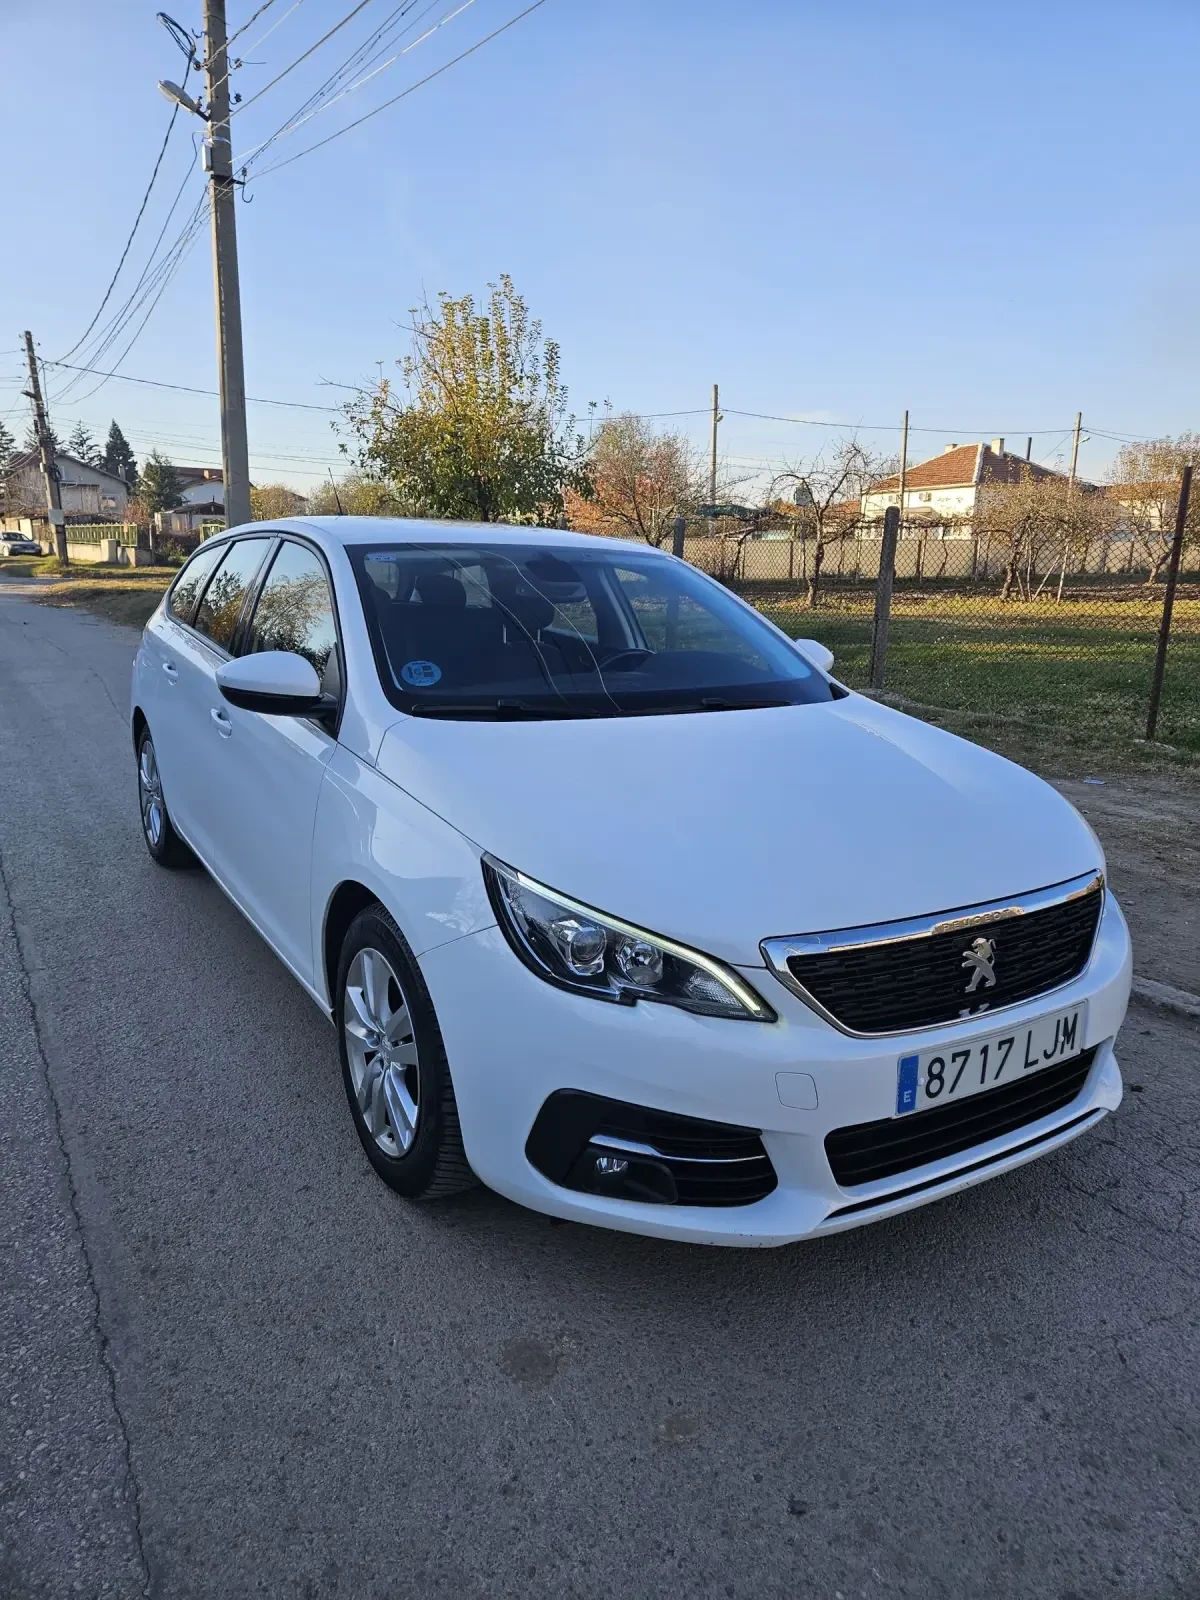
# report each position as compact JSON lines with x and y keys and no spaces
{"x":1165,"y":998}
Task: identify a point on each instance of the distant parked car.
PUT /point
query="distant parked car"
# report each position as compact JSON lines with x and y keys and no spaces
{"x":16,"y":545}
{"x":852,"y":963}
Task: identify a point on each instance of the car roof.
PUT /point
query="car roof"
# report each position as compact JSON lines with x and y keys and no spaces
{"x":420,"y":530}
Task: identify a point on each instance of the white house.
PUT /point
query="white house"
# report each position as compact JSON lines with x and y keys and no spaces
{"x":203,"y":500}
{"x":947,"y":488}
{"x":86,"y":491}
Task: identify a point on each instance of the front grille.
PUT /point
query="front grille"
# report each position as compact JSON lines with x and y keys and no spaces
{"x":868,"y":1151}
{"x":673,"y":1159}
{"x":919,"y":982}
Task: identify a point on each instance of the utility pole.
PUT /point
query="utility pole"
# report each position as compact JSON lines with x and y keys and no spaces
{"x":903,"y":462}
{"x":1075,"y":449}
{"x":218,"y":158}
{"x":1029,"y":448}
{"x":712,"y":458}
{"x":1062,"y":572}
{"x":54,"y":511}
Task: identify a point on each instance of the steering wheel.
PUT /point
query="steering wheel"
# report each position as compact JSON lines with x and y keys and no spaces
{"x":625,"y":655}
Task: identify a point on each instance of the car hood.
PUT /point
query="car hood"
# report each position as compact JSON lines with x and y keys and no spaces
{"x":721,"y":829}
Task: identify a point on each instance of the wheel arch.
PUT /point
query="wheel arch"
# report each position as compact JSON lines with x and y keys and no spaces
{"x":349,"y":898}
{"x":139,"y":725}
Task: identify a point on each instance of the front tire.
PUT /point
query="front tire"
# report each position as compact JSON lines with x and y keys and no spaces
{"x":164,"y":844}
{"x":394,"y":1064}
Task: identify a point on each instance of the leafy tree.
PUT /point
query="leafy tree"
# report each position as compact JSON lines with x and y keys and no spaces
{"x":275,"y":500}
{"x":1145,"y":486}
{"x":118,"y":458}
{"x":481,"y":428}
{"x":159,"y":484}
{"x":82,"y":446}
{"x":358,"y":495}
{"x":8,"y":448}
{"x":827,"y":494}
{"x":640,"y":482}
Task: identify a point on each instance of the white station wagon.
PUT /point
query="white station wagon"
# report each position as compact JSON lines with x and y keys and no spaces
{"x":618,"y":900}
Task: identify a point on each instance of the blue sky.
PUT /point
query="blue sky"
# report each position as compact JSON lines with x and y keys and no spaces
{"x":984,"y":214}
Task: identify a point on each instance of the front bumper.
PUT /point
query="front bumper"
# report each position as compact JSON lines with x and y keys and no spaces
{"x":513,"y":1040}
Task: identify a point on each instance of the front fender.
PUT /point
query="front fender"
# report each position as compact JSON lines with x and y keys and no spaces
{"x":421,"y":869}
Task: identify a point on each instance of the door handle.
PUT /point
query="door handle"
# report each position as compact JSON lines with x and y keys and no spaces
{"x":224,"y":726}
{"x":171,"y":670}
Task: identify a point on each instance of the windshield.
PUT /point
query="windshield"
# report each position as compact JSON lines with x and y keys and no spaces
{"x":536,"y":631}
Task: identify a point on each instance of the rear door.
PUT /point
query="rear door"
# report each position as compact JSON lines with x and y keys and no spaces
{"x":201,"y":729}
{"x":273,"y":767}
{"x":165,"y":639}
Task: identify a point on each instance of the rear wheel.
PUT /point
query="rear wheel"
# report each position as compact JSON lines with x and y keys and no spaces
{"x":394,"y":1064}
{"x":163,"y":843}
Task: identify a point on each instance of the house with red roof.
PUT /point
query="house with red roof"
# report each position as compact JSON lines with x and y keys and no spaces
{"x":946,"y":489}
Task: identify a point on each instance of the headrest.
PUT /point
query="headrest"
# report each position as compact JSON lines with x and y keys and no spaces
{"x":440,"y":589}
{"x":532,"y":611}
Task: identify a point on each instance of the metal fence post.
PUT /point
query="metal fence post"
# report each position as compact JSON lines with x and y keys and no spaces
{"x":1164,"y":632}
{"x":883,"y":595}
{"x":678,"y":536}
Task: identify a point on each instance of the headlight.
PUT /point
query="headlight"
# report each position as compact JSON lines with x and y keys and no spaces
{"x":577,"y":948}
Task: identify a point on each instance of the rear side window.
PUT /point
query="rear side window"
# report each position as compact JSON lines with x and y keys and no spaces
{"x":185,"y":591}
{"x":295,"y":609}
{"x":221,"y":604}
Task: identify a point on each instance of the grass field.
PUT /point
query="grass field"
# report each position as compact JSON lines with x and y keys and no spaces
{"x":1084,"y":668}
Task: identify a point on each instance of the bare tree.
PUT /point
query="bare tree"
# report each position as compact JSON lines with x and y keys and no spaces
{"x":1145,"y":487}
{"x":1042,"y":523}
{"x":640,"y":482}
{"x":828,"y":494}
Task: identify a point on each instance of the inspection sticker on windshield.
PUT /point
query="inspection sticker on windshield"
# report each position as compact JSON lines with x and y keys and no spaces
{"x":421,"y":674}
{"x":953,"y":1071}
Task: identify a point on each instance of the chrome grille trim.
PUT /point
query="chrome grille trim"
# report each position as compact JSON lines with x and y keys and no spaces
{"x":777,"y":951}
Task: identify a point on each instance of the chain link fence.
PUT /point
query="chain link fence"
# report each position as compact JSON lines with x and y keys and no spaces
{"x":1061,"y":637}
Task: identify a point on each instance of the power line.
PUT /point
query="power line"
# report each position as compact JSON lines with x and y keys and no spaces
{"x":429,"y":77}
{"x":266,"y":6}
{"x":870,"y":427}
{"x":350,"y":15}
{"x":240,"y":60}
{"x":184,"y":388}
{"x":157,"y":280}
{"x":358,"y":58}
{"x":147,"y":279}
{"x":129,"y":242}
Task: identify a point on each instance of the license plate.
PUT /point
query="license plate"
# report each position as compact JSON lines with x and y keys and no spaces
{"x":955,"y":1070}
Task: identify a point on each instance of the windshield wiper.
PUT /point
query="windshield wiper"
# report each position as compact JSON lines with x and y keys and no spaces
{"x":502,"y":710}
{"x":713,"y":702}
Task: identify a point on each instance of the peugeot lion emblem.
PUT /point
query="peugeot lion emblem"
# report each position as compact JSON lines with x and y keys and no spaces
{"x":980,"y":962}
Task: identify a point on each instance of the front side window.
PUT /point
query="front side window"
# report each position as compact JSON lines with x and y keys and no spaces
{"x":185,"y":591}
{"x":516,"y":630}
{"x":221,"y":604}
{"x":295,"y":609}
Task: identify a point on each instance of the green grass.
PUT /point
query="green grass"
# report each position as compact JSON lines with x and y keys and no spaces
{"x":1080,"y":671}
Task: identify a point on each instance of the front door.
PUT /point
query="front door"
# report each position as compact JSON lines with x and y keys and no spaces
{"x":273,"y":767}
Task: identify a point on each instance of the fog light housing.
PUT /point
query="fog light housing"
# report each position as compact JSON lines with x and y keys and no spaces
{"x":610,"y":1166}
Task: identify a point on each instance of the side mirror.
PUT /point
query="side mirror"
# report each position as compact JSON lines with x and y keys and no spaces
{"x":813,"y":650}
{"x":276,"y":682}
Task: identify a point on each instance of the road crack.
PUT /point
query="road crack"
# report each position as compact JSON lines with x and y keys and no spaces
{"x":103,"y":1343}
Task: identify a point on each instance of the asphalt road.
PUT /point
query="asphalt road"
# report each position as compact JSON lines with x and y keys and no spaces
{"x":232,"y":1363}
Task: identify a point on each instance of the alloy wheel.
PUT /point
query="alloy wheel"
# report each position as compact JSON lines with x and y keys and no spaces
{"x":382,"y":1052}
{"x":150,"y":793}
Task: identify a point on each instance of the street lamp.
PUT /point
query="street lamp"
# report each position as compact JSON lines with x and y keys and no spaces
{"x":180,"y":97}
